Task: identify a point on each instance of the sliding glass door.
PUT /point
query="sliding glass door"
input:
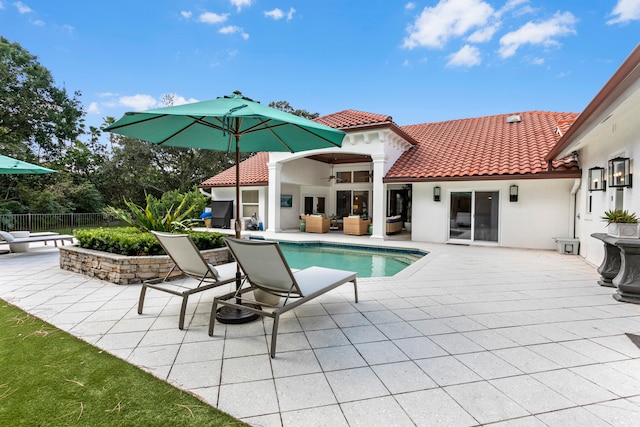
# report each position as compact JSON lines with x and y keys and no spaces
{"x":473,"y":216}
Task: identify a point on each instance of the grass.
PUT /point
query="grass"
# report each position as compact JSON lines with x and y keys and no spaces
{"x":50,"y":378}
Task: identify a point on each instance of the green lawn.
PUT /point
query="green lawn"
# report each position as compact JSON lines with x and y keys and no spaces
{"x":50,"y":378}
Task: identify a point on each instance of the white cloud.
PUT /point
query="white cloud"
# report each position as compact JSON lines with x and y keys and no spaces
{"x":232,"y":29}
{"x":22,"y":8}
{"x":138,"y":102}
{"x":93,"y":108}
{"x":277,"y":14}
{"x":625,"y":11}
{"x":468,"y":56}
{"x":186,"y":14}
{"x":1,"y":5}
{"x":540,"y":33}
{"x":240,"y":4}
{"x":290,"y":14}
{"x":512,"y":4}
{"x":537,"y":61}
{"x":274,"y":14}
{"x":38,"y":22}
{"x":449,"y":18}
{"x":181,"y":100}
{"x":410,"y":6}
{"x":213,"y":18}
{"x":484,"y":34}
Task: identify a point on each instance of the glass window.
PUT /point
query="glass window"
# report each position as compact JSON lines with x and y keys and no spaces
{"x":361,"y":176}
{"x":360,"y":203}
{"x":343,"y":177}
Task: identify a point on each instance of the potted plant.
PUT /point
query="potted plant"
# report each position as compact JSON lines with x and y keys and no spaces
{"x":621,"y":223}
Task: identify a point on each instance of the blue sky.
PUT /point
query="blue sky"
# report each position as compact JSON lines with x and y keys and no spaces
{"x":419,"y":61}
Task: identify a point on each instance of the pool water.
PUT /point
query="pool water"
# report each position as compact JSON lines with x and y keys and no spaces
{"x":366,"y":261}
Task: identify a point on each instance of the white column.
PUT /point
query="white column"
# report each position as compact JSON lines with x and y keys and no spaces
{"x":379,"y":208}
{"x":273,"y":217}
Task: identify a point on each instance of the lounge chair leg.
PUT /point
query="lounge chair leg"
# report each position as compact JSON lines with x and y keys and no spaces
{"x":212,"y":319}
{"x":183,"y":309}
{"x":274,"y":335}
{"x":143,"y":291}
{"x":355,"y":289}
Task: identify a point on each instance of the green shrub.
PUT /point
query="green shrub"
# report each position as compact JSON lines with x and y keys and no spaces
{"x":132,"y":242}
{"x":154,"y":216}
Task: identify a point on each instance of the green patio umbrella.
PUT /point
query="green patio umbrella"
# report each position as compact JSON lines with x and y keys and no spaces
{"x":10,"y":166}
{"x":232,"y":124}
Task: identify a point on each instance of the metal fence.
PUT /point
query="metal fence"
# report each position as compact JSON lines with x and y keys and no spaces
{"x":62,"y":223}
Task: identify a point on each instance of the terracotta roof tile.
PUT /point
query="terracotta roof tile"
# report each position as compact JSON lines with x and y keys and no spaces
{"x":353,"y":118}
{"x":482,"y":147}
{"x":253,"y":171}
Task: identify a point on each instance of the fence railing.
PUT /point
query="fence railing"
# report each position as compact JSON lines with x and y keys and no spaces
{"x":62,"y":223}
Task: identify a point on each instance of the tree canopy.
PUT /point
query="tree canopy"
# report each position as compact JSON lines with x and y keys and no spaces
{"x":41,"y":123}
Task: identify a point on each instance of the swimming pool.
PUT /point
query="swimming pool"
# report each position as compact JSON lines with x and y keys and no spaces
{"x":366,"y":261}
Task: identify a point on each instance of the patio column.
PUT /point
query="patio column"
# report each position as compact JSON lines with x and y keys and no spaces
{"x":379,"y":208}
{"x":273,"y":217}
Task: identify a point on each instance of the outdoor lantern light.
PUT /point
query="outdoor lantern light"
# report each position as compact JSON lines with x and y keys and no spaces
{"x":513,"y":193}
{"x":596,"y":179}
{"x":619,"y":172}
{"x":436,"y":193}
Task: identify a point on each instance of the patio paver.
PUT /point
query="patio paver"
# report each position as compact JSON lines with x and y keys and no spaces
{"x":466,"y":336}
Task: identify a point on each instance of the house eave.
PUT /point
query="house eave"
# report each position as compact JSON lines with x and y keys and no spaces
{"x":542,"y":175}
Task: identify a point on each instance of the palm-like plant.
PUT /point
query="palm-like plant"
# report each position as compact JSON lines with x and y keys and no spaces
{"x":152,"y":217}
{"x":619,"y":216}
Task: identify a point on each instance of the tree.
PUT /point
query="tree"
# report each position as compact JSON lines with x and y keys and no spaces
{"x":37,"y":119}
{"x":40,"y":122}
{"x":287,"y":108}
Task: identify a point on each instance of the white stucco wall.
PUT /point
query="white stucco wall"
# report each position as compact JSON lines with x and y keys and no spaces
{"x":542,"y":212}
{"x":613,"y":132}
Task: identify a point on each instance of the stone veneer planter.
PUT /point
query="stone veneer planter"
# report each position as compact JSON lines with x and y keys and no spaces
{"x":125,"y":270}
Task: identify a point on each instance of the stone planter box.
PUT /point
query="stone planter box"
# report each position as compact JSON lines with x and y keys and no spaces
{"x":125,"y":270}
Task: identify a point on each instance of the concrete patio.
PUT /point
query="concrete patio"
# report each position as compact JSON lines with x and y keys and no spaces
{"x":467,"y":336}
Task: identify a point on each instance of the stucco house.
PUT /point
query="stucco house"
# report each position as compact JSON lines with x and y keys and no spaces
{"x":517,"y":179}
{"x":606,"y":138}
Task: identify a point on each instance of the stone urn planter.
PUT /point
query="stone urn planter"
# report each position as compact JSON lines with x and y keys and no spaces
{"x":621,"y":224}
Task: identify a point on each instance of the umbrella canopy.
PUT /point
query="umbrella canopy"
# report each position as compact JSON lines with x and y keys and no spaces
{"x":9,"y":166}
{"x":227,"y":124}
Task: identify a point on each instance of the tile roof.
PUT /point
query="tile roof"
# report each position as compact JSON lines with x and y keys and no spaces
{"x":353,"y":118}
{"x":253,"y":171}
{"x":473,"y":148}
{"x":482,"y":147}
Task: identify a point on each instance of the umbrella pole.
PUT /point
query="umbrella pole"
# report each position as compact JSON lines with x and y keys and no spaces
{"x":228,"y":314}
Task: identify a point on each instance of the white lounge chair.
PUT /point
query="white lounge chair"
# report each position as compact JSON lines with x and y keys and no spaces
{"x":267,"y":270}
{"x":34,"y":237}
{"x":189,"y":261}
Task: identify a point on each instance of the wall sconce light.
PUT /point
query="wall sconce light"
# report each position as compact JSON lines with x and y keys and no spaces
{"x":620,"y":172}
{"x":513,"y":193}
{"x":436,"y":193}
{"x":596,"y":179}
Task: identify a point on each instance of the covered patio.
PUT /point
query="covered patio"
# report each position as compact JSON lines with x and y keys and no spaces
{"x":466,"y":336}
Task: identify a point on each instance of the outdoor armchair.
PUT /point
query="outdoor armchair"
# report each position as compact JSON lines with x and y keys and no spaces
{"x":267,"y":270}
{"x":189,"y":261}
{"x":316,"y":224}
{"x":355,"y":225}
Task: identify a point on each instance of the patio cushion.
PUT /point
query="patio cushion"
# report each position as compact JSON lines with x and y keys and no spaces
{"x":7,"y":236}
